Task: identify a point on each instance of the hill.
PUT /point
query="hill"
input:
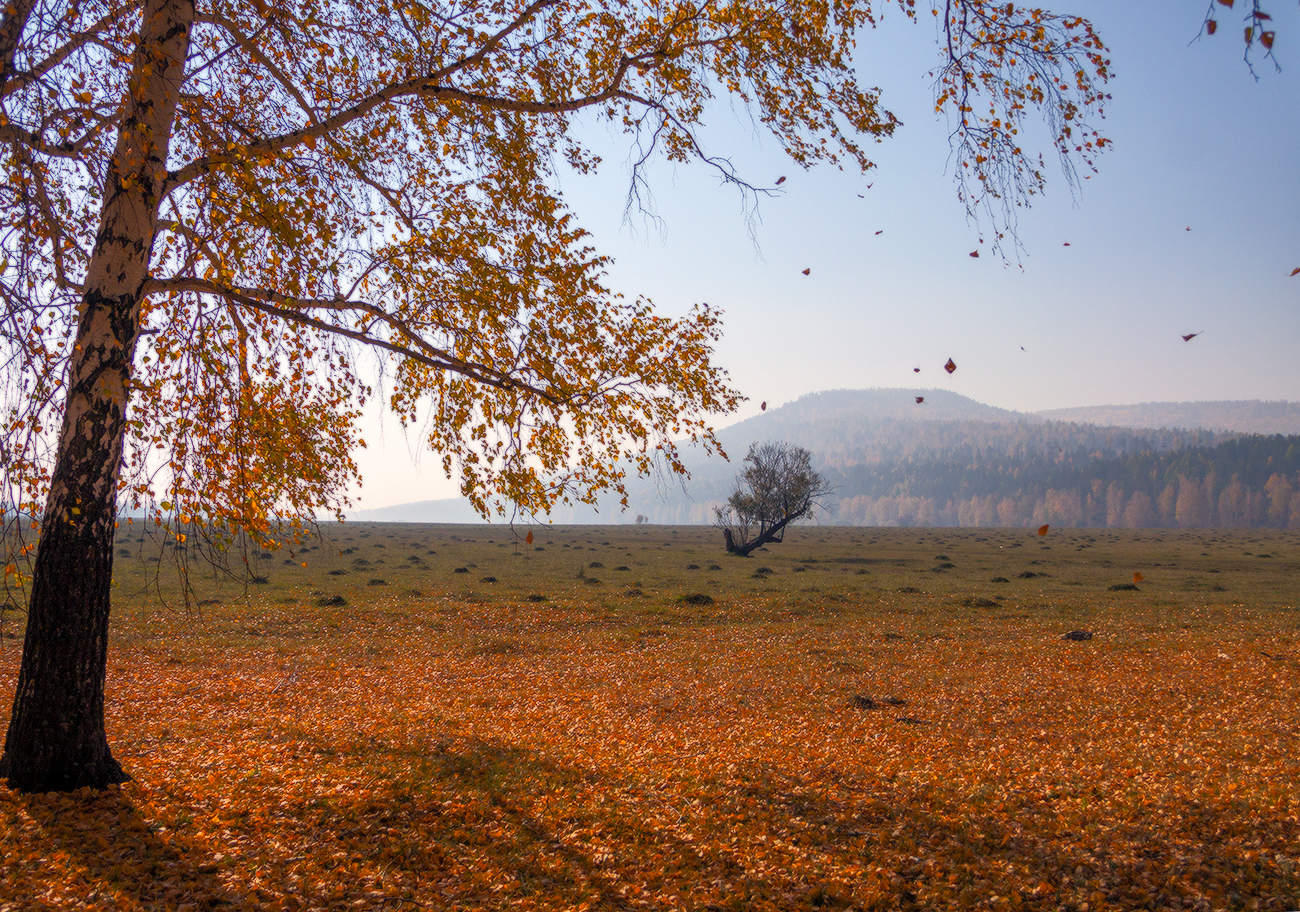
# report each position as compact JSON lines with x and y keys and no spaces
{"x":954,"y":461}
{"x":1250,"y":416}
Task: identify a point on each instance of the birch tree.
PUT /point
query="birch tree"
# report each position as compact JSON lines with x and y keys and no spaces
{"x":216,"y":216}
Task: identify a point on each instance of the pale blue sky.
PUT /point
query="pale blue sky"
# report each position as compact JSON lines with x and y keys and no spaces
{"x":1198,"y":143}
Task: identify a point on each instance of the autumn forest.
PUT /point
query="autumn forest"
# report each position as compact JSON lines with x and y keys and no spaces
{"x":239,"y":238}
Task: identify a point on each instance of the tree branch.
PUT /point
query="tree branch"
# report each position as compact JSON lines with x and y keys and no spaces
{"x":16,"y":14}
{"x":12,"y":81}
{"x":292,"y":310}
{"x":421,"y":87}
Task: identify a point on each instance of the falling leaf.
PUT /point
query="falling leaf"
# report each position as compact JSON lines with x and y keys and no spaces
{"x":1066,"y":244}
{"x":780,"y":180}
{"x":1137,"y":576}
{"x":1187,"y":337}
{"x":762,"y":406}
{"x":1296,"y":271}
{"x":920,"y":399}
{"x":975,"y":253}
{"x":1042,"y":530}
{"x":529,"y":537}
{"x":880,"y":232}
{"x":1188,"y":228}
{"x":916,"y":370}
{"x":950,"y":366}
{"x":807,"y":271}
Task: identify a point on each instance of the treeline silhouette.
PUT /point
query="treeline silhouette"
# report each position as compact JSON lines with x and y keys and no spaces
{"x":1244,"y":481}
{"x":954,"y":461}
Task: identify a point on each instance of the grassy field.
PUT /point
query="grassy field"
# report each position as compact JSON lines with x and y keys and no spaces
{"x":438,"y":717}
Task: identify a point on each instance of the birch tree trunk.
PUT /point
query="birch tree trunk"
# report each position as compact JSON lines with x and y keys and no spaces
{"x":56,"y":738}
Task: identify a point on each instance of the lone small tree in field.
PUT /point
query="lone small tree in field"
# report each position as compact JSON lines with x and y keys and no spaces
{"x":778,"y":487}
{"x":216,"y":216}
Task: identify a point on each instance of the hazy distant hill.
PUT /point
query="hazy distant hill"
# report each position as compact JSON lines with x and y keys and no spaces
{"x":835,"y":421}
{"x":837,"y":425}
{"x":954,"y":461}
{"x":868,"y":405}
{"x":445,"y":510}
{"x":1251,"y":416}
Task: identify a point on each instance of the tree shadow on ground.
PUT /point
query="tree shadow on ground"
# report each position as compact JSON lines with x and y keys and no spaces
{"x":468,"y":823}
{"x":934,"y":850}
{"x":759,"y":838}
{"x":125,"y":861}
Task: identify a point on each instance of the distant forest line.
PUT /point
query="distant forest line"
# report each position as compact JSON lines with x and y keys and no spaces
{"x":1022,"y":478}
{"x":1241,"y":482}
{"x":952,"y":461}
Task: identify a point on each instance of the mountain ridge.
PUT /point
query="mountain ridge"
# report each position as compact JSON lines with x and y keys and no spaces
{"x":1246,"y":416}
{"x":880,"y":443}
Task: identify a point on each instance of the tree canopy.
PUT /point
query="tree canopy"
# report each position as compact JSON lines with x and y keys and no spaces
{"x":349,"y":178}
{"x":217,"y":212}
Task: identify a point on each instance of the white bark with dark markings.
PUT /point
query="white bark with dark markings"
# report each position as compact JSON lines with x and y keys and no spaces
{"x":56,"y":736}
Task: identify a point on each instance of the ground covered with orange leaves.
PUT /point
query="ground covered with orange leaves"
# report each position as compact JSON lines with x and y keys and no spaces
{"x":603,"y":721}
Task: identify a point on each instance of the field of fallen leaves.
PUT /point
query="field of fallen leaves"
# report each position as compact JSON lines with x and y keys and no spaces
{"x":449,"y":717}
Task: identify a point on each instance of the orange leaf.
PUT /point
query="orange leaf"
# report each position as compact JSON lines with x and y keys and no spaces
{"x":807,"y":271}
{"x":1042,"y":530}
{"x":529,"y":537}
{"x":950,"y":366}
{"x":1211,"y":27}
{"x":1137,"y":576}
{"x":1296,"y":271}
{"x":975,"y":253}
